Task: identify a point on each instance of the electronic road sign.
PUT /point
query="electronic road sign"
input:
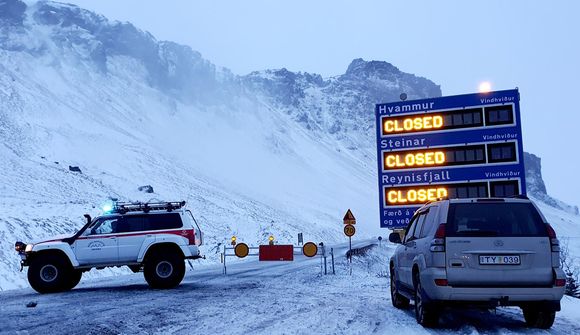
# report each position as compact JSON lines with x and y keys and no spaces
{"x":462,"y":146}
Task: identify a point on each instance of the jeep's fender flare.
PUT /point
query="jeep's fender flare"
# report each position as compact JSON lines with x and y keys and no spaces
{"x":177,"y":240}
{"x":58,"y":247}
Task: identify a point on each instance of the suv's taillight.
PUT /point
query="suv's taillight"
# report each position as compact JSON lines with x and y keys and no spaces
{"x":438,"y":242}
{"x":554,"y":242}
{"x":191,"y":236}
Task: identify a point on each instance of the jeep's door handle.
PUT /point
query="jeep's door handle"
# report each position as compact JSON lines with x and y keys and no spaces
{"x":411,"y":244}
{"x":113,"y":238}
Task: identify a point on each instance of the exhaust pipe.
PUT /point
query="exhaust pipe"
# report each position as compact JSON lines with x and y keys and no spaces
{"x":71,"y":239}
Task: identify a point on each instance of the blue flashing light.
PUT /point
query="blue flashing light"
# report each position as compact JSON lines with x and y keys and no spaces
{"x":107,"y":208}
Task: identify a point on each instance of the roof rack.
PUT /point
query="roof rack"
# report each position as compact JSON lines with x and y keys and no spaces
{"x":125,"y":207}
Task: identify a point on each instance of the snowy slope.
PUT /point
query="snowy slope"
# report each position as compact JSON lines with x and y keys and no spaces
{"x":129,"y":111}
{"x":272,"y":152}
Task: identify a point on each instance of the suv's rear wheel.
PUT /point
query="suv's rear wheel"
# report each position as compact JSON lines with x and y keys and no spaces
{"x":539,"y":318}
{"x":50,"y":273}
{"x":164,"y":270}
{"x":397,"y":299}
{"x":425,"y":313}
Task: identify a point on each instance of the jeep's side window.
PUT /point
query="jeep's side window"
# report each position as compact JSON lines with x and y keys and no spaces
{"x":163,"y":221}
{"x":106,"y":226}
{"x":132,"y":223}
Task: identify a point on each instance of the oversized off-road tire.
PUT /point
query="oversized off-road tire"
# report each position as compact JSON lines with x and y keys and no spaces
{"x":398,"y":300}
{"x":426,"y":313}
{"x":539,"y":318}
{"x":50,"y":273}
{"x":74,"y":279}
{"x":164,"y":269}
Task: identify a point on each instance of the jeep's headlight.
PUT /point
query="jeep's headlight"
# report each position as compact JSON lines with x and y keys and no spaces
{"x":29,"y":248}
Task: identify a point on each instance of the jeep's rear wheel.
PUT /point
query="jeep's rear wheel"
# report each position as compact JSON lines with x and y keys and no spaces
{"x":50,"y":274}
{"x":538,"y":318}
{"x":425,"y":313}
{"x":164,"y":270}
{"x":397,"y":299}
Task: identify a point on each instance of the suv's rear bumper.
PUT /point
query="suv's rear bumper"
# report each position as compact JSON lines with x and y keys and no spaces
{"x":505,"y":296}
{"x":192,"y":252}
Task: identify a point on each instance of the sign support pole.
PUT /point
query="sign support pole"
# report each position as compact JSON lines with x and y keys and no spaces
{"x":349,"y":230}
{"x":332,"y":257}
{"x":225,"y":269}
{"x":350,"y":253}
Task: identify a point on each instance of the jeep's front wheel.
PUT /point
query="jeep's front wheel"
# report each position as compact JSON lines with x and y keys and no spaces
{"x":164,"y":270}
{"x":74,"y":279}
{"x":50,"y":274}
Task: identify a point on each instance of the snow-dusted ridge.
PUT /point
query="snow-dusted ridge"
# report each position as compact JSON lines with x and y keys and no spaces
{"x":271,"y":152}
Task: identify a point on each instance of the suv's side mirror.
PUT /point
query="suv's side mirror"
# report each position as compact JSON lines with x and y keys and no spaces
{"x":395,"y":238}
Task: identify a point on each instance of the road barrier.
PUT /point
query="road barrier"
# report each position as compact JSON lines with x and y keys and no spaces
{"x":274,"y":252}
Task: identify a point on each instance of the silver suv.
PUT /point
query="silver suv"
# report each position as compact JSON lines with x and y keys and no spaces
{"x":481,"y":253}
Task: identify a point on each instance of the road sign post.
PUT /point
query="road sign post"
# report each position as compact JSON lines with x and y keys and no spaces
{"x":465,"y":146}
{"x":225,"y":268}
{"x":349,"y":220}
{"x":332,"y":258}
{"x":350,"y":253}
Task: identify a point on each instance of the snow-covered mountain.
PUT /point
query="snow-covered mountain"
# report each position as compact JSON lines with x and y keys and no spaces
{"x":271,"y":152}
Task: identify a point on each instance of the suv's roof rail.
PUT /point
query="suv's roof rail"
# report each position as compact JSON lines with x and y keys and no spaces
{"x":124,"y":207}
{"x":436,"y":199}
{"x":517,"y":196}
{"x":520,"y":196}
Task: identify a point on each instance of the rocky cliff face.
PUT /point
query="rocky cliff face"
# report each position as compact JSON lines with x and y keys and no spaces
{"x":536,"y":186}
{"x":343,"y":105}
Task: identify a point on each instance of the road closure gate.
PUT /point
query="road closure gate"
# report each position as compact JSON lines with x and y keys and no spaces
{"x":462,"y":146}
{"x":272,"y":252}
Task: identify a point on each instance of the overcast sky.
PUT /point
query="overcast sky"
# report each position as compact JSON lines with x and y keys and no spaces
{"x":533,"y":45}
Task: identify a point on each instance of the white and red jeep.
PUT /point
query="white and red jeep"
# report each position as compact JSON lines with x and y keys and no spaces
{"x":154,"y":238}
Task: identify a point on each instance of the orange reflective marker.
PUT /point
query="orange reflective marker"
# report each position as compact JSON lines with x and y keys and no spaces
{"x":310,"y":249}
{"x":241,"y":250}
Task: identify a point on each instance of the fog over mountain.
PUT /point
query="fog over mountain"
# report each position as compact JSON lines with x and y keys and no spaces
{"x":272,"y":152}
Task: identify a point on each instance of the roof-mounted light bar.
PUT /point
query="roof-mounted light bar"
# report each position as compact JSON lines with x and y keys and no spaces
{"x":125,"y":207}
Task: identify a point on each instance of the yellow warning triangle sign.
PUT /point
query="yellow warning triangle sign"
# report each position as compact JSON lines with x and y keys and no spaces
{"x":349,"y":218}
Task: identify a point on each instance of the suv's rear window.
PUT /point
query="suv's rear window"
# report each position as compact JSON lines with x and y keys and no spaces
{"x":494,"y":219}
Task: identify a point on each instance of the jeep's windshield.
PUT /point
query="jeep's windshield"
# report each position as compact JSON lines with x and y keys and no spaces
{"x":494,"y":219}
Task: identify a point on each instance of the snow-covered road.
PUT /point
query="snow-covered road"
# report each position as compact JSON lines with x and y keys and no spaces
{"x":254,"y":298}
